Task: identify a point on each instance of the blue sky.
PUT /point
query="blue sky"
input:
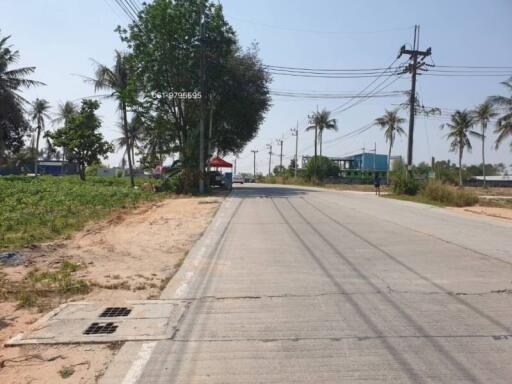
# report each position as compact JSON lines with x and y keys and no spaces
{"x":60,"y":37}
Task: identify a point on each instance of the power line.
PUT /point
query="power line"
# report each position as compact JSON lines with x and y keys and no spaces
{"x":292,"y":29}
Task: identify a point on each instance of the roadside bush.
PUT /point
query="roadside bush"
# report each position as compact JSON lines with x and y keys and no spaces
{"x":321,"y":167}
{"x":172,"y":184}
{"x":448,"y":195}
{"x":403,"y":185}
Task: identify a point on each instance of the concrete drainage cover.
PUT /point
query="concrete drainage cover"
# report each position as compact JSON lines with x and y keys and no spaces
{"x":86,"y":322}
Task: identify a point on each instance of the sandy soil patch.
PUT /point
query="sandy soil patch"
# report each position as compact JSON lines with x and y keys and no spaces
{"x":502,"y":213}
{"x":130,"y":256}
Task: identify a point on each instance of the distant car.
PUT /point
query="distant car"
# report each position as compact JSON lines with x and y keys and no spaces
{"x":238,"y":179}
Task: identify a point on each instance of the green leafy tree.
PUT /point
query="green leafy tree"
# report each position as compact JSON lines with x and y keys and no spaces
{"x":118,"y":81}
{"x":13,"y":125}
{"x":39,"y":114}
{"x":321,"y":167}
{"x":482,"y":114}
{"x":459,"y":131}
{"x":504,"y":123}
{"x":390,"y":122}
{"x":166,"y":50}
{"x":81,"y":136}
{"x":321,"y":121}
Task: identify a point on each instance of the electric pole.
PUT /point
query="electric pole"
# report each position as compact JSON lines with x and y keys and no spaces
{"x":412,"y":68}
{"x":202,"y":76}
{"x":254,"y":151}
{"x":269,"y":146}
{"x":280,"y":142}
{"x":295,"y":132}
{"x":234,"y":170}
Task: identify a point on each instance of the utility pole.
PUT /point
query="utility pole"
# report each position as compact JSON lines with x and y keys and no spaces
{"x":280,"y":142}
{"x":269,"y":146}
{"x":202,"y":76}
{"x":374,"y":155}
{"x":234,"y":170}
{"x":295,"y":132}
{"x":254,"y":151}
{"x":412,"y":68}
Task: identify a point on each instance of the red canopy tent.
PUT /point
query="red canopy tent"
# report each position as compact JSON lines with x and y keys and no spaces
{"x":217,"y":162}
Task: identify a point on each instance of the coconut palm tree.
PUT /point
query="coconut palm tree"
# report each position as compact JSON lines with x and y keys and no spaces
{"x":459,"y":131}
{"x":390,"y":122}
{"x":11,"y":103}
{"x":482,"y":114}
{"x":116,"y":81}
{"x":504,"y":123}
{"x":39,"y":113}
{"x":321,"y":121}
{"x":64,"y":112}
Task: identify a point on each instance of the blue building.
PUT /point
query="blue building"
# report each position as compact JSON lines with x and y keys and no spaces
{"x":370,"y":162}
{"x":57,"y":167}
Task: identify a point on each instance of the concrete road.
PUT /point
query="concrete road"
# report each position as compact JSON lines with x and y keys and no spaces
{"x":302,"y":285}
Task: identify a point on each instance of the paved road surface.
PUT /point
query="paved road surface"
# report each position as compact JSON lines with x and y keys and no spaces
{"x":299,"y":285}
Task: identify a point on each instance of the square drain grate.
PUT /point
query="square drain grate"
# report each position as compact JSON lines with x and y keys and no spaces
{"x":100,"y":329}
{"x":115,"y":312}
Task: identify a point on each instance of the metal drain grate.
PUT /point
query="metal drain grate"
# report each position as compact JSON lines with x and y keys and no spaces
{"x":100,"y":328}
{"x":115,"y":312}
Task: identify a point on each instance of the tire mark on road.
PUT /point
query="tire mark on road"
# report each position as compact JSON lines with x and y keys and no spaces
{"x":458,"y":299}
{"x":406,"y":366}
{"x":438,"y":347}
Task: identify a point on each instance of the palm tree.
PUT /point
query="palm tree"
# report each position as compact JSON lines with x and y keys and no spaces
{"x":482,"y":114}
{"x":390,"y":122}
{"x":116,"y":80}
{"x":504,"y":123}
{"x":320,"y":121}
{"x":64,"y":112}
{"x":460,"y":129}
{"x":11,"y":82}
{"x":39,"y":113}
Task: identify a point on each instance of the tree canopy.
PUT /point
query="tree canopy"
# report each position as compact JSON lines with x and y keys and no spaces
{"x":80,"y":136}
{"x":166,"y":52}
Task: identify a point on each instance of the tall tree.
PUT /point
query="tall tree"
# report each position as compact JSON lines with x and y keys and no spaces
{"x":118,"y":81}
{"x":13,"y":125}
{"x":167,"y":52}
{"x":81,"y":137}
{"x":321,"y":121}
{"x":504,"y":123}
{"x":39,"y":113}
{"x":459,"y":131}
{"x":391,"y":123}
{"x":482,"y":114}
{"x":64,"y":112}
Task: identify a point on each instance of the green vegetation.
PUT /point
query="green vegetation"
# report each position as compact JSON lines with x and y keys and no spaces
{"x":44,"y":208}
{"x":81,"y":137}
{"x":39,"y":288}
{"x":447,"y":195}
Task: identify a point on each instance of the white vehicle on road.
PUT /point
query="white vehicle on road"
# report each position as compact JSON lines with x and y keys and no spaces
{"x":238,"y":179}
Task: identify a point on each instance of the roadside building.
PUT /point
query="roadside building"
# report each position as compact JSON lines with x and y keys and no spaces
{"x":57,"y":167}
{"x":357,"y":168}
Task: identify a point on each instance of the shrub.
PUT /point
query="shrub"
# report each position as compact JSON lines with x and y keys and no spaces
{"x":436,"y":191}
{"x":321,"y":167}
{"x":401,"y":184}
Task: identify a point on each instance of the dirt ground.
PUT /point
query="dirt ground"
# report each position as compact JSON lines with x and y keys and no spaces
{"x":502,"y":213}
{"x":130,"y":256}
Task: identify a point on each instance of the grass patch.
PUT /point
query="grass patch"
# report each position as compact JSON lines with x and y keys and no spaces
{"x":436,"y":193}
{"x":496,"y":203}
{"x":47,"y":207}
{"x":40,"y":288}
{"x":66,"y":372}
